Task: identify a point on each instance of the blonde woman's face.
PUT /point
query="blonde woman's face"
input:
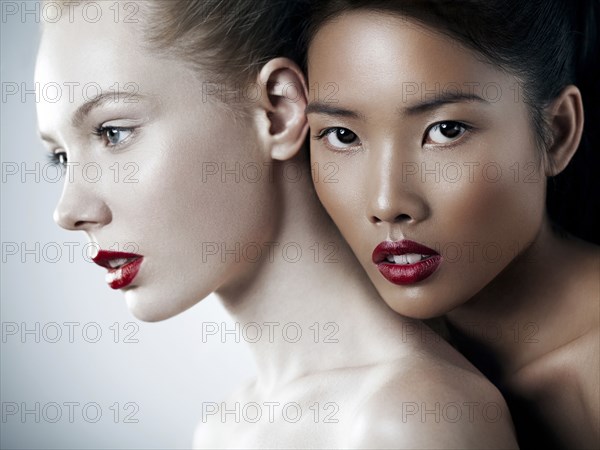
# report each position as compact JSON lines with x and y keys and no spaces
{"x":440,"y":184}
{"x":153,"y":166}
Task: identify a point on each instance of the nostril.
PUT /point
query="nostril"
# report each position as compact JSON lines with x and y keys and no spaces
{"x":403,"y":218}
{"x":398,"y":218}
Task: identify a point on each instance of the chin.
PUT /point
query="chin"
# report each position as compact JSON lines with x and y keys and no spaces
{"x":147,"y":309}
{"x":412,"y":312}
{"x":423,"y":313}
{"x":418,"y":307}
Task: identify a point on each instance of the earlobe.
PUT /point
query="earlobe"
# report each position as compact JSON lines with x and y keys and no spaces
{"x":566,"y":121}
{"x":283,"y":103}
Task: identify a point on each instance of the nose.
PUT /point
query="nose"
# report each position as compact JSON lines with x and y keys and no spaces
{"x":395,"y":193}
{"x":80,"y":207}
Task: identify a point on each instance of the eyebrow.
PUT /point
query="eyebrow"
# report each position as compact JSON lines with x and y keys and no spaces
{"x":86,"y":108}
{"x":418,"y":108}
{"x":106,"y":97}
{"x":440,"y":100}
{"x":325,"y":108}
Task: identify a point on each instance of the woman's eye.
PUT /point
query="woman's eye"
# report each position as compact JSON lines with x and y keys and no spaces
{"x":339,"y":138}
{"x":444,"y":132}
{"x":58,"y":159}
{"x":113,"y":136}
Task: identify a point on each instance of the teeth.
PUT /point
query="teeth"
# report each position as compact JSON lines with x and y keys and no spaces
{"x":413,"y":258}
{"x":112,"y":276}
{"x":408,"y":258}
{"x":117,"y":262}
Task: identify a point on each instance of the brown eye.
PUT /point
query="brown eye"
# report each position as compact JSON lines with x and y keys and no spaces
{"x":444,"y":132}
{"x":340,"y":138}
{"x":345,"y":136}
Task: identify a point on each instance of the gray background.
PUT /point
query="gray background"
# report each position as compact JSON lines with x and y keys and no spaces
{"x":168,"y":373}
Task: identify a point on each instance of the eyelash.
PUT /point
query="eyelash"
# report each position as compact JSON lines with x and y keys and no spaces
{"x":466,"y":127}
{"x":453,"y":143}
{"x":101,"y":130}
{"x":55,"y":157}
{"x":328,"y":131}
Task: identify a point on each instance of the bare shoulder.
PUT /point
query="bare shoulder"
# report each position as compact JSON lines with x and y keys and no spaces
{"x":433,"y":404}
{"x":591,"y":341}
{"x":584,"y":303}
{"x":585,"y":297}
{"x":587,"y":359}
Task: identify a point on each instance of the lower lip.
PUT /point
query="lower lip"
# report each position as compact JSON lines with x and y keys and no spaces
{"x":125,"y":274}
{"x":409,"y":273}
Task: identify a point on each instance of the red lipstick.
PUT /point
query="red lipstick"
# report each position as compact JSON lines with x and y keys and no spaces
{"x":405,"y":262}
{"x":122,"y":267}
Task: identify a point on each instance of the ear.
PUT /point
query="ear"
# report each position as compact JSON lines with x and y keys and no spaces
{"x":281,"y":120}
{"x":565,"y":116}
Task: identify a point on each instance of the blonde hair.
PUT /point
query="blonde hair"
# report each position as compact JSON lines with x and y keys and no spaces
{"x":226,"y":41}
{"x":231,"y":39}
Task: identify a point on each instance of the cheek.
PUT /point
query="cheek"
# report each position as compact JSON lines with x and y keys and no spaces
{"x":188,"y":218}
{"x":498,"y":195}
{"x":193,"y":190}
{"x":499,"y":210}
{"x":339,"y":187}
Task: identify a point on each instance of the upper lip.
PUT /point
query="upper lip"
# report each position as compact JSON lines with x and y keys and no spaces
{"x":104,"y":257}
{"x":402,"y":247}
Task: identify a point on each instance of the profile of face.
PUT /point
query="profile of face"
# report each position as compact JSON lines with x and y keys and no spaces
{"x":144,"y":162}
{"x":440,"y":184}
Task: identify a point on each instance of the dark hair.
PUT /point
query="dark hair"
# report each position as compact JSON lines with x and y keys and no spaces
{"x":547,"y":44}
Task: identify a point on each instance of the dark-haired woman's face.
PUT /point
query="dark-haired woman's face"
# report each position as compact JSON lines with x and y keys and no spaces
{"x":440,"y":183}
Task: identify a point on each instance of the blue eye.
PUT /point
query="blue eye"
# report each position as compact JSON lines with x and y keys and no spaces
{"x":113,"y":136}
{"x":339,"y":139}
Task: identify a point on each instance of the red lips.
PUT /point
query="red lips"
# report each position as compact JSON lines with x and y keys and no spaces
{"x":413,"y":262}
{"x":123,"y":269}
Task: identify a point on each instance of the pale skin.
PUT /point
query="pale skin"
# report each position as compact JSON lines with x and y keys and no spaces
{"x":543,"y":315}
{"x":381,"y":365}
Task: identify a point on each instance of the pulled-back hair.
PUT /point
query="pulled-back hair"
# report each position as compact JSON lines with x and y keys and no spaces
{"x":226,"y":41}
{"x":547,"y":45}
{"x":231,"y":39}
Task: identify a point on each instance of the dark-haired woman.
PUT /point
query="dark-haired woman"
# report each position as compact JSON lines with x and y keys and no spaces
{"x":448,"y":122}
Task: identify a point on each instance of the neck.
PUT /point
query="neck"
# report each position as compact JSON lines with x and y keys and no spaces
{"x":322,"y":293}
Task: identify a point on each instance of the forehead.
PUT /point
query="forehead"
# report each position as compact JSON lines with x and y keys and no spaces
{"x":74,"y":51}
{"x":79,"y":60}
{"x":364,"y":51}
